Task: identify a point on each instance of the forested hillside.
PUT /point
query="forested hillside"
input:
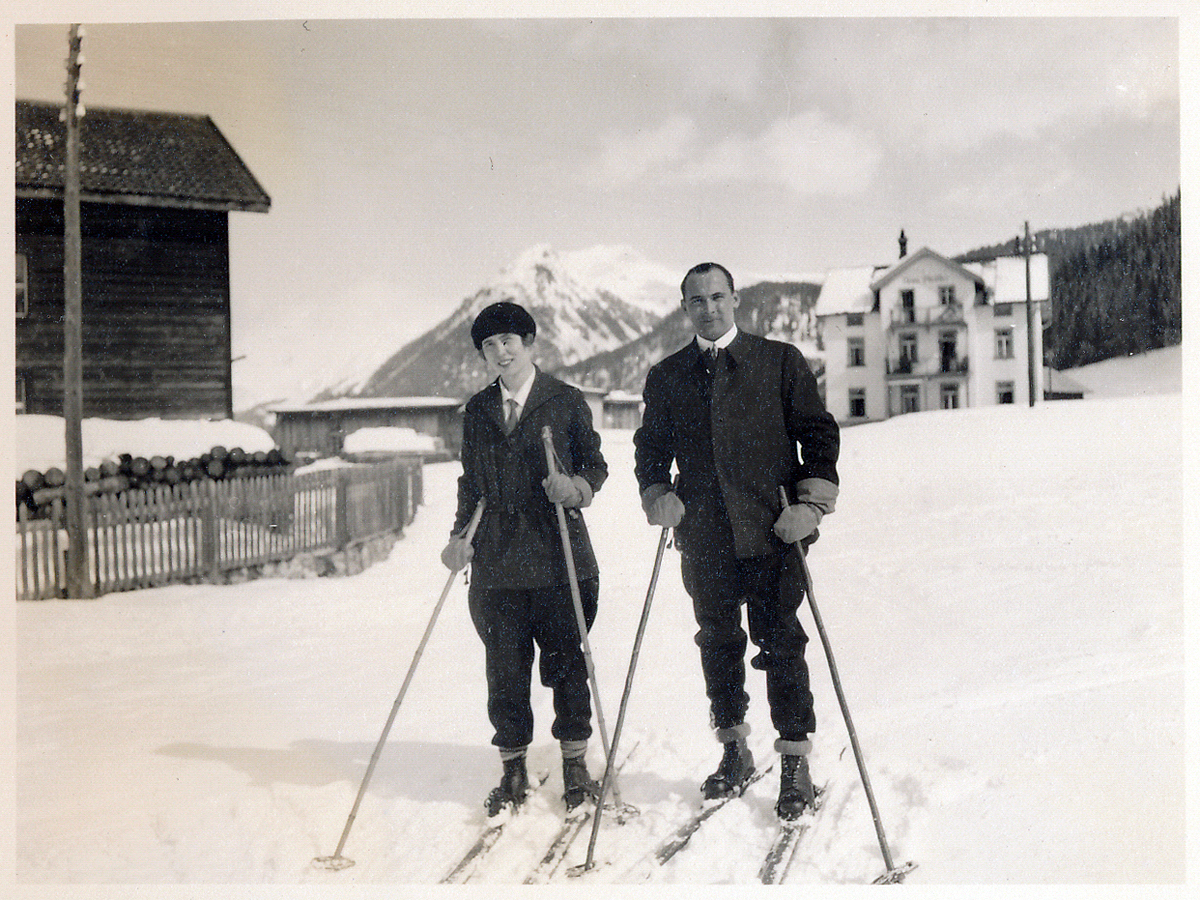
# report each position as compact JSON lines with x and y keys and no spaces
{"x":1115,"y":285}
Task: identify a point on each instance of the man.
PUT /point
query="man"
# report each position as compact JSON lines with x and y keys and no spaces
{"x":730,"y":410}
{"x":520,"y":592}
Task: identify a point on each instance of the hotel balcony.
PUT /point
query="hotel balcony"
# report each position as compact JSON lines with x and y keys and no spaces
{"x":929,"y":317}
{"x":905,"y":367}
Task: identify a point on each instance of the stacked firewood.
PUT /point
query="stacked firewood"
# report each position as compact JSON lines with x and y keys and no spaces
{"x":38,"y":490}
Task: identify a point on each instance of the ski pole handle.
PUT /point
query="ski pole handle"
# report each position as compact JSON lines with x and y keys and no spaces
{"x":469,"y":534}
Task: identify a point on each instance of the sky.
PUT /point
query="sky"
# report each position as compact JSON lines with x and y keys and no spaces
{"x":409,"y":160}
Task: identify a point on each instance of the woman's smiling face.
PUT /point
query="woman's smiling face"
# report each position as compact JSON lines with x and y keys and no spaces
{"x":508,"y":356}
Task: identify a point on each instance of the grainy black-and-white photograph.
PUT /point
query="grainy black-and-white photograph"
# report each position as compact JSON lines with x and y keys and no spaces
{"x":640,"y":449}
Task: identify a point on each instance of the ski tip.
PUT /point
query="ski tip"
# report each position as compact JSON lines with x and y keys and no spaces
{"x":501,"y":816}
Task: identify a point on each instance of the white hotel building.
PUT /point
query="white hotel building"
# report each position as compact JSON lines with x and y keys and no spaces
{"x":930,"y":333}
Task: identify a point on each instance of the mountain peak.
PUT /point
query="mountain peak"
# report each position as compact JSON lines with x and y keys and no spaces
{"x":533,"y":257}
{"x":577,"y":317}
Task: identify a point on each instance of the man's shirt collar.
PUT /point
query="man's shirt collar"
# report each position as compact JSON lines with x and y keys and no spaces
{"x":722,"y":342}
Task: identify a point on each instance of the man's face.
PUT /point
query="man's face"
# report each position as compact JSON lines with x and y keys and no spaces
{"x":508,"y":356}
{"x":709,"y":303}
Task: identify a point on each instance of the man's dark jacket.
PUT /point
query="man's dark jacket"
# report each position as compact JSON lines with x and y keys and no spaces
{"x":518,"y":543}
{"x":735,"y":452}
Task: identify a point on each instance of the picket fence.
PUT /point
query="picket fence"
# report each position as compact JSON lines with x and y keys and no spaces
{"x":189,"y":532}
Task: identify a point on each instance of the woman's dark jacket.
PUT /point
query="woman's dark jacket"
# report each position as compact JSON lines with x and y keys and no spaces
{"x":518,"y":543}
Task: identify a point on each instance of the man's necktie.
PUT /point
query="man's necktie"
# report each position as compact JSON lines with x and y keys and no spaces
{"x":712,"y":354}
{"x":514,"y":415}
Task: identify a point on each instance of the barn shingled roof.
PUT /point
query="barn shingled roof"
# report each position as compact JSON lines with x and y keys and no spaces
{"x":135,"y":156}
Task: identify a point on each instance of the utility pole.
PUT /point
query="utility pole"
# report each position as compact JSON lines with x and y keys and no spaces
{"x":78,"y":585}
{"x":1026,"y":249}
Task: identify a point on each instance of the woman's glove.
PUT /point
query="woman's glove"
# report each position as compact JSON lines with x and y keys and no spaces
{"x":563,"y":489}
{"x":458,"y":554}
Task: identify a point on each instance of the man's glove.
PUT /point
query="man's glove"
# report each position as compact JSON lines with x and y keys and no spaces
{"x":458,"y":554}
{"x":666,"y":511}
{"x":567,"y":490}
{"x":797,"y":522}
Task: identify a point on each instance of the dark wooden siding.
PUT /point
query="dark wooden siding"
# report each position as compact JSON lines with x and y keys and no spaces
{"x":156,"y":321}
{"x":323,"y":431}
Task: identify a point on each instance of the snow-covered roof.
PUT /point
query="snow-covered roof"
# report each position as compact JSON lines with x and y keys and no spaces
{"x":1061,"y":382}
{"x":922,"y":254}
{"x":343,"y":404}
{"x":852,"y":290}
{"x":846,"y":291}
{"x":389,"y":438}
{"x":622,"y":397}
{"x":1005,"y":277}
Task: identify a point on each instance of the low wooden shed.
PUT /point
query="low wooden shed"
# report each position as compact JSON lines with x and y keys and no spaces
{"x":320,"y":428}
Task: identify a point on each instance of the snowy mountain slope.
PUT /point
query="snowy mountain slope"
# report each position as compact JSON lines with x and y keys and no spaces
{"x":575,"y":320}
{"x":623,"y":272}
{"x":1004,"y":593}
{"x":779,"y":310}
{"x":597,"y":310}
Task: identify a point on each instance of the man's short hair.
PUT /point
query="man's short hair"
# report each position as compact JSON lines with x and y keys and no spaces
{"x":504,"y":317}
{"x":700,"y":270}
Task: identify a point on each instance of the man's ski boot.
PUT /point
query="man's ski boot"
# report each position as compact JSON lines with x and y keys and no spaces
{"x":578,"y":785}
{"x":514,"y":785}
{"x":796,"y":792}
{"x":733,"y":773}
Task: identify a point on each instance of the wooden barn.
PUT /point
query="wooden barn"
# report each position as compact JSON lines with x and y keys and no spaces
{"x":320,"y":428}
{"x":622,"y":410}
{"x":156,"y":190}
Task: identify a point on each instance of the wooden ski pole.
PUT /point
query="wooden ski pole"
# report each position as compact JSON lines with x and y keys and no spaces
{"x":337,"y":861}
{"x":637,"y":644}
{"x":581,"y":619}
{"x":893,"y":875}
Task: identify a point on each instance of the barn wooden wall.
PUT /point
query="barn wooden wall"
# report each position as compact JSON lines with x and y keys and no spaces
{"x":156,"y":316}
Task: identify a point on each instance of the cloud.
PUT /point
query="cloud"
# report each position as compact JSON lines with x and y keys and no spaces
{"x":808,"y":153}
{"x":647,"y":152}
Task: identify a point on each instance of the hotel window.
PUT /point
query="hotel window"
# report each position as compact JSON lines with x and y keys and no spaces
{"x":908,"y":348}
{"x":1001,"y":310}
{"x":857,"y":353}
{"x":908,"y":306}
{"x":910,"y":398}
{"x":949,"y":396}
{"x":854,"y":320}
{"x":1005,"y":392}
{"x":946,"y":294}
{"x":1004,"y":343}
{"x":22,"y":286}
{"x":858,"y":403}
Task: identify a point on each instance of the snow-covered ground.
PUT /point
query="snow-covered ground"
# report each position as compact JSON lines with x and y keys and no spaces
{"x":1003,"y":589}
{"x":1154,"y":372}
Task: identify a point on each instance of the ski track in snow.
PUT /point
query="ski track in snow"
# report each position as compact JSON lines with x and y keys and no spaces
{"x":1003,"y":590}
